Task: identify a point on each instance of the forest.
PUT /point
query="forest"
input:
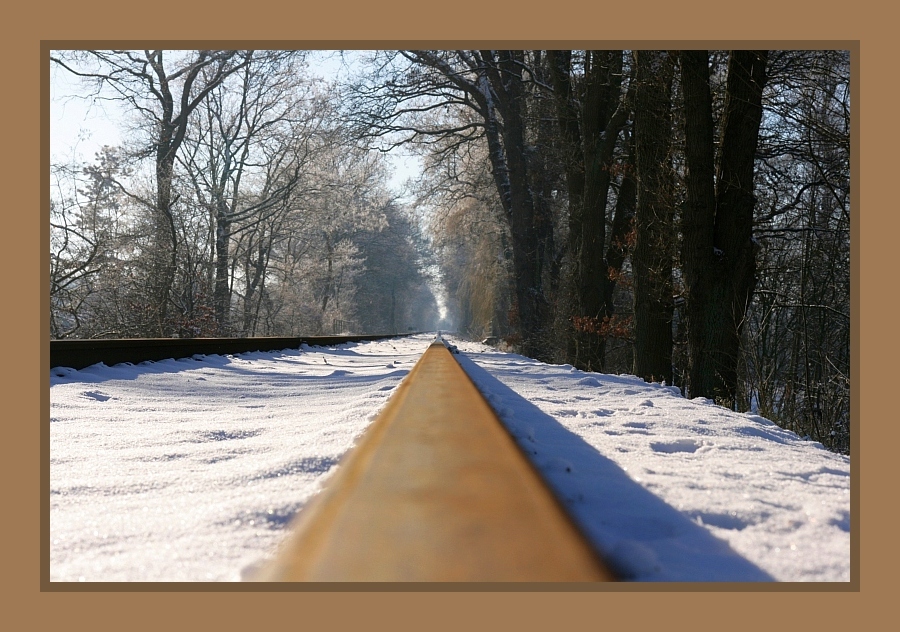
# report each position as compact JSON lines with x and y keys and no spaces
{"x":682,"y":216}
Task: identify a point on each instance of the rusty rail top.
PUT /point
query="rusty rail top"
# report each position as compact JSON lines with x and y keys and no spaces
{"x":437,"y":490}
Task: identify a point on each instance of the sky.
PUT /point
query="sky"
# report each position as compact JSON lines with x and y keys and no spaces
{"x":80,"y":127}
{"x":77,"y":126}
{"x":192,"y":469}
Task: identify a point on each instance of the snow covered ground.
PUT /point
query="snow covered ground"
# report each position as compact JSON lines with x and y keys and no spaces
{"x":652,"y":476}
{"x":190,"y":470}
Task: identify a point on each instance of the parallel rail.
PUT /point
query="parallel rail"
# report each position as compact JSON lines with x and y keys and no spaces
{"x":78,"y":354}
{"x":437,"y":490}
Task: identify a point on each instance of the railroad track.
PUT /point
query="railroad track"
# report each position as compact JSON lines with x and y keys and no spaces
{"x":78,"y":354}
{"x":437,"y":489}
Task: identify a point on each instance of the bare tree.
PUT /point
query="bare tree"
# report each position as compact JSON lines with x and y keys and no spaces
{"x":163,"y":95}
{"x":798,"y":331}
{"x":83,"y":207}
{"x":259,"y":118}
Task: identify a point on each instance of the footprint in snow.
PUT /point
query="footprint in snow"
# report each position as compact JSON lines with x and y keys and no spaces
{"x":96,"y":395}
{"x":680,"y":445}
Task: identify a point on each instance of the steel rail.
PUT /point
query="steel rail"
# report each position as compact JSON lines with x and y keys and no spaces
{"x":437,"y":490}
{"x":78,"y":354}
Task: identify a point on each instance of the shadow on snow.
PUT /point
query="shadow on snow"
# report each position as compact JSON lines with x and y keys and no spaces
{"x":639,"y":535}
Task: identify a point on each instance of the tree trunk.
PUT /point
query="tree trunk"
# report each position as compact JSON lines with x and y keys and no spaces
{"x":652,"y":258}
{"x":718,"y":252}
{"x":508,"y":89}
{"x":329,"y":280}
{"x":221,"y":295}
{"x":588,"y":140}
{"x":532,"y":307}
{"x":602,"y":122}
{"x":165,"y":260}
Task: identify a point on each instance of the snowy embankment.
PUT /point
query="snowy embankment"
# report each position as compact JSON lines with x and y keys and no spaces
{"x":605,"y":441}
{"x":190,"y":470}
